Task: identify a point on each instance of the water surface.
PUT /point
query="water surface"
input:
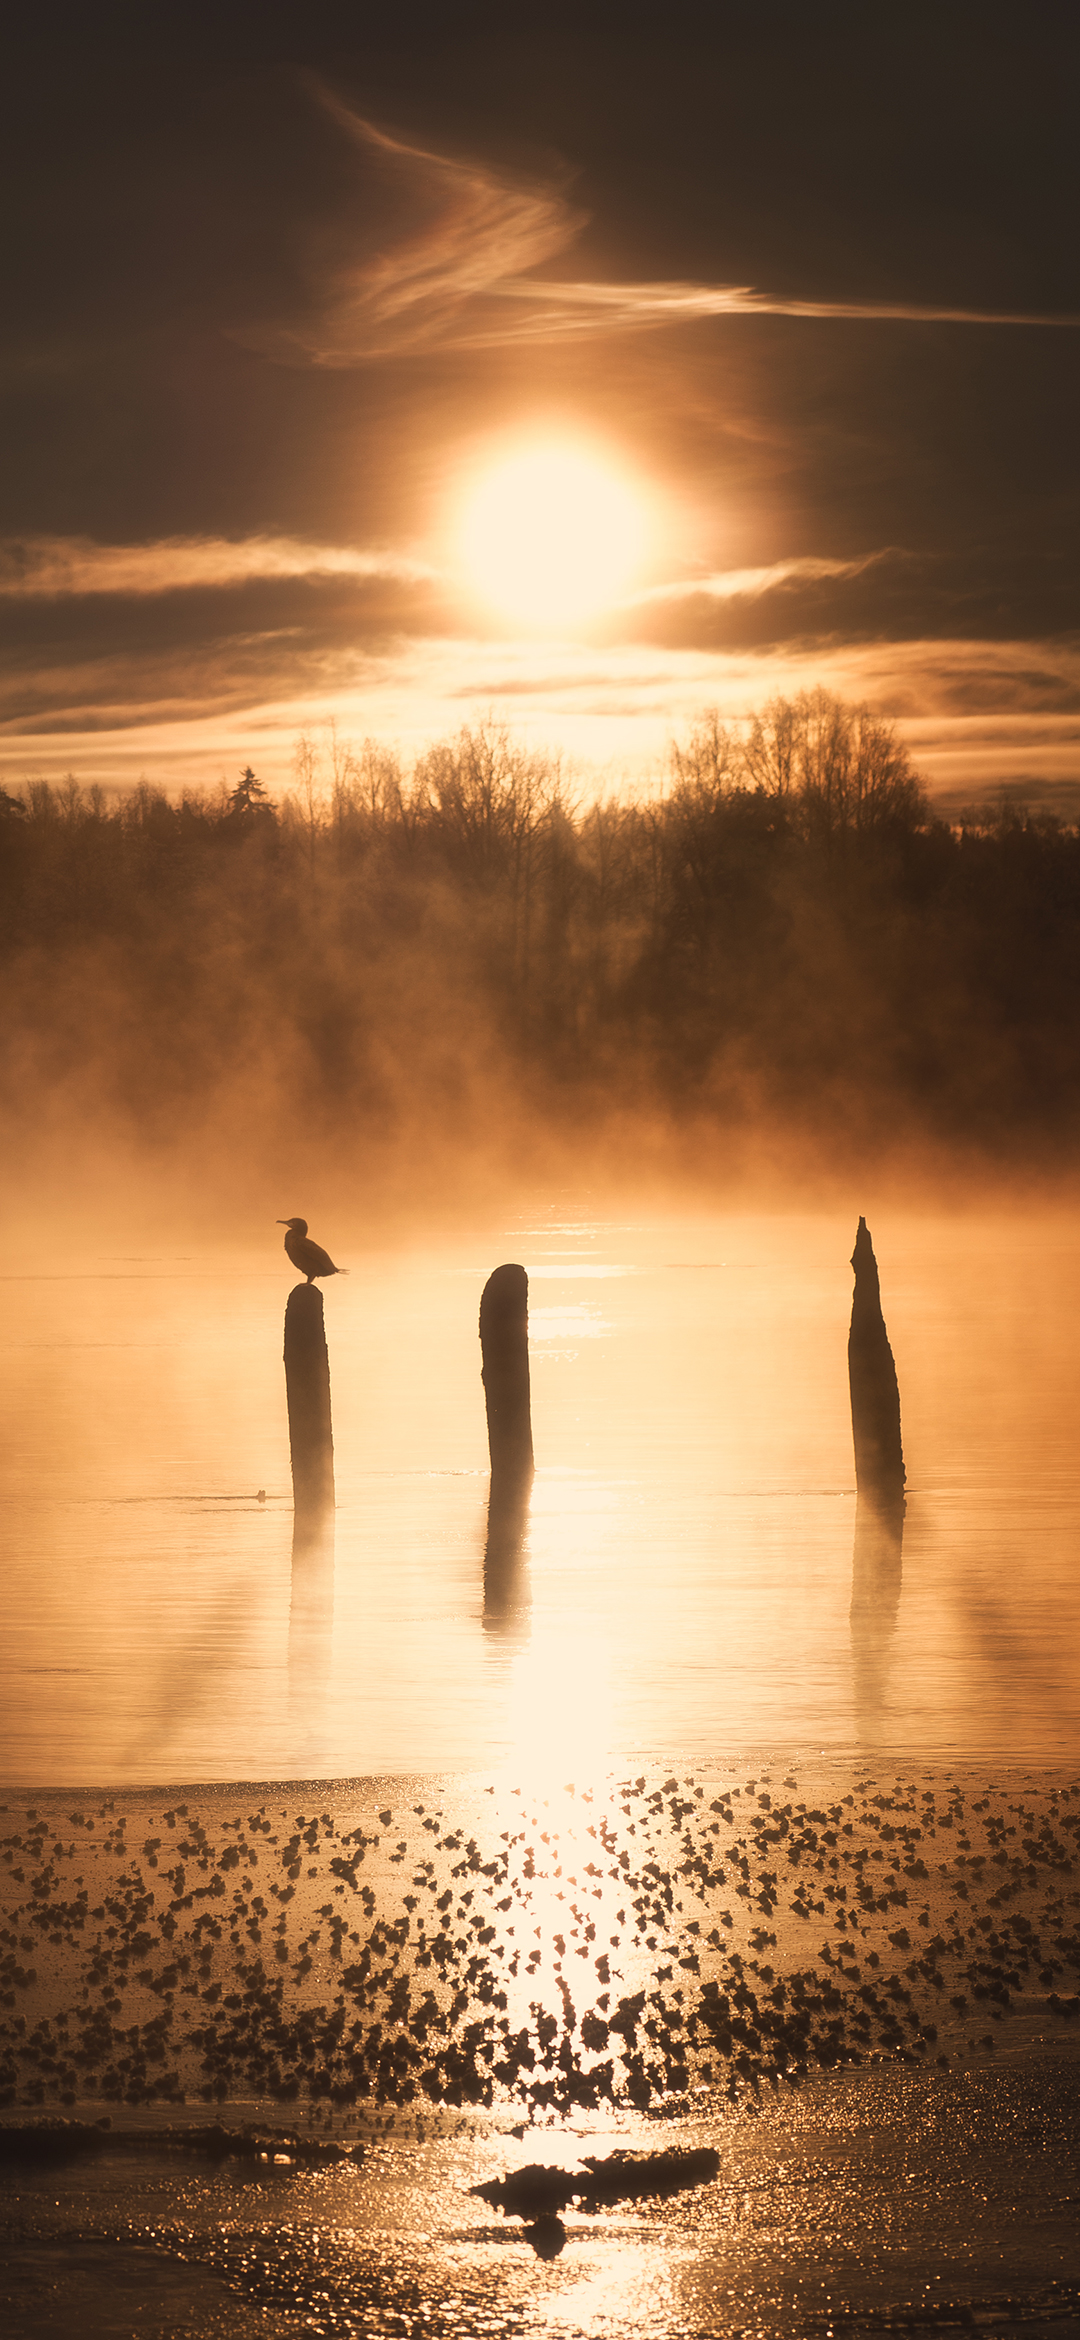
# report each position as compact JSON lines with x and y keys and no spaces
{"x":686,"y":1577}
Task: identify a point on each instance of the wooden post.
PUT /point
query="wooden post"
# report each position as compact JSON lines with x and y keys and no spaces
{"x":307,"y":1384}
{"x":504,"y":1350}
{"x":875,"y":1395}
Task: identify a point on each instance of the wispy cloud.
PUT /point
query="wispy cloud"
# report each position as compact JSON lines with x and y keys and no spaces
{"x":458,"y":234}
{"x":452,"y":272}
{"x":54,"y":568}
{"x":591,"y":307}
{"x":752,"y":584}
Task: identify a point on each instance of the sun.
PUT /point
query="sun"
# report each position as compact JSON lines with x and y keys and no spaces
{"x":551,"y":534}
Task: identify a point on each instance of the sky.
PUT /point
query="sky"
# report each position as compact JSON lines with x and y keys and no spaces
{"x":579,"y":368}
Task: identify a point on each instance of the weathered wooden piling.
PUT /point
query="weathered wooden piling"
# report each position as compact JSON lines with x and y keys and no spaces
{"x":504,"y":1351}
{"x":307,"y":1384}
{"x":875,"y":1394}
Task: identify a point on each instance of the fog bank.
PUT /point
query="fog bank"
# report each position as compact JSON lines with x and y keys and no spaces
{"x":430,"y":985}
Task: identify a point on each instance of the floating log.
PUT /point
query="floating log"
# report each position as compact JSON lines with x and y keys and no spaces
{"x":875,"y":1394}
{"x":547,"y":2236}
{"x":540,"y":2192}
{"x":307,"y":1384}
{"x":504,"y":1350}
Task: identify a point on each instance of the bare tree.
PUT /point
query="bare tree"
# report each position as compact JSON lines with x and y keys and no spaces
{"x":711,"y":761}
{"x":305,"y":763}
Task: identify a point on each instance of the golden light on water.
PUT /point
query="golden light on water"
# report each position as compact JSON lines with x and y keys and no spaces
{"x":562,"y":1707}
{"x":686,"y":1573}
{"x":552,"y":533}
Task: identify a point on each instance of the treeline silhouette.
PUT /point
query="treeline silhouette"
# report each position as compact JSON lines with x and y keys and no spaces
{"x":782,"y":931}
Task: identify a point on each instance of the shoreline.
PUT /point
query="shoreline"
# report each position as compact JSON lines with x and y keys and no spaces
{"x":811,"y":1762}
{"x":856,"y":2203}
{"x":836,"y":1980}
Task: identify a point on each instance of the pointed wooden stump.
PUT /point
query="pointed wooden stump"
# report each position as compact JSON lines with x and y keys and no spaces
{"x":875,"y":1394}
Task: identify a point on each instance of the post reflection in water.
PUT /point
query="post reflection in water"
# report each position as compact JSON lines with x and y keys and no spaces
{"x":506,"y":1579}
{"x":876,"y":1567}
{"x":311,"y":1628}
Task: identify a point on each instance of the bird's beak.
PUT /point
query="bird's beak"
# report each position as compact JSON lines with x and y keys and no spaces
{"x":283,"y":1222}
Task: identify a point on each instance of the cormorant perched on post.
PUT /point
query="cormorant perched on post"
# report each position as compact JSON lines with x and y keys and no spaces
{"x":309,"y":1257}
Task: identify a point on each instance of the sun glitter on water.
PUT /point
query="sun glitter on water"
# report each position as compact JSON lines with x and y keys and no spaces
{"x":552,"y":534}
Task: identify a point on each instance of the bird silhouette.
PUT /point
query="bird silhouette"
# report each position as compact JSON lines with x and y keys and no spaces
{"x":309,"y":1257}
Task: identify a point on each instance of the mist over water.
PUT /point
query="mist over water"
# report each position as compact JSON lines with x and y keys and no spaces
{"x":447,"y":982}
{"x":663,"y":1057}
{"x":690,"y":1577}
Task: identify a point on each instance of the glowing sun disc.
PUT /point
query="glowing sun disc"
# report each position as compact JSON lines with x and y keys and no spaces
{"x":552,"y":534}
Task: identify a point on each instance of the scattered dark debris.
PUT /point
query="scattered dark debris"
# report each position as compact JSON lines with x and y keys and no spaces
{"x":182,"y":1969}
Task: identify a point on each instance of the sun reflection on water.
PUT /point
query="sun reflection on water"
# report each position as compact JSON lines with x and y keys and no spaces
{"x":612,"y":2283}
{"x":560,"y":1707}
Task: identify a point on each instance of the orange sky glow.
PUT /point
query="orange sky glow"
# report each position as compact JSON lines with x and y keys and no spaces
{"x":444,"y":413}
